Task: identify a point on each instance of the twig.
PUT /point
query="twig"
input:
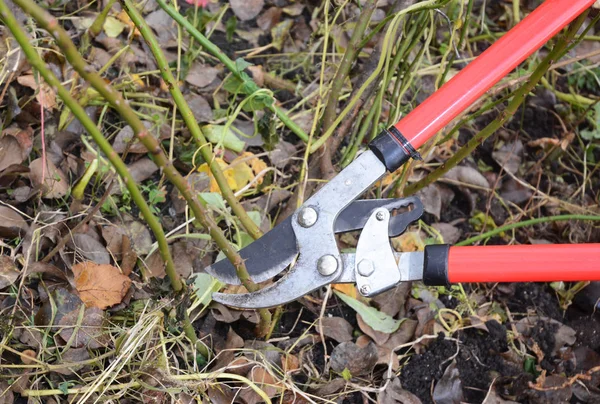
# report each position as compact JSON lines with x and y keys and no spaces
{"x":510,"y":110}
{"x":343,"y":69}
{"x":229,"y":64}
{"x":190,"y":121}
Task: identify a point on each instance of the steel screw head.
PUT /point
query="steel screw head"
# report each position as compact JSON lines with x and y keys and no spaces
{"x":327,"y":265}
{"x":366,"y":267}
{"x":307,"y":217}
{"x":380,"y":215}
{"x":365,"y":290}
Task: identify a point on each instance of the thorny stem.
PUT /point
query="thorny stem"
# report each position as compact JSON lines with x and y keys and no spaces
{"x":341,"y":74}
{"x":190,"y":121}
{"x":525,"y":223}
{"x":114,"y":98}
{"x":229,"y":64}
{"x":510,"y":110}
{"x":36,"y":62}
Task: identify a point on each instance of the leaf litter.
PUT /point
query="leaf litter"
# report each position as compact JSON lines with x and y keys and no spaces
{"x":105,"y":287}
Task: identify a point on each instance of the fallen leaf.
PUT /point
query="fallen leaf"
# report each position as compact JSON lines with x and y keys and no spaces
{"x":374,"y":318}
{"x":12,"y":225}
{"x":8,"y":271}
{"x":204,"y":286}
{"x":224,"y":137}
{"x":55,"y":182}
{"x":268,"y":19}
{"x":126,"y":138}
{"x":246,"y":9}
{"x":432,"y":199}
{"x":100,"y":286}
{"x":46,"y":96}
{"x":335,"y":328}
{"x":450,"y":234}
{"x":90,"y":248}
{"x":357,"y":360}
{"x":377,"y":336}
{"x":90,"y":333}
{"x":141,"y":170}
{"x":11,"y":152}
{"x":509,"y":156}
{"x":394,"y":393}
{"x":113,"y":27}
{"x":201,"y":75}
{"x":467,"y":175}
{"x":199,"y":106}
{"x":348,"y":289}
{"x":265,"y":381}
{"x":242,"y":170}
{"x":448,"y":389}
{"x":392,"y":301}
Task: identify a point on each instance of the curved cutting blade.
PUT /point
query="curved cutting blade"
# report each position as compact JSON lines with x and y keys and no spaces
{"x":264,"y":258}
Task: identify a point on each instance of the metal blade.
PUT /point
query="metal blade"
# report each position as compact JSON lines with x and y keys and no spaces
{"x":273,"y":252}
{"x":264,"y":258}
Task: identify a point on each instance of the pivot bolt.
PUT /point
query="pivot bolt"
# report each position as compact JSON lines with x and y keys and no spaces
{"x":327,"y":265}
{"x":381,"y":215}
{"x":307,"y":217}
{"x":365,"y":290}
{"x":366,"y":267}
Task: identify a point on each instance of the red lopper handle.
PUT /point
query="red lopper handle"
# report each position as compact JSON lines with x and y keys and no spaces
{"x":524,"y":263}
{"x":492,"y":65}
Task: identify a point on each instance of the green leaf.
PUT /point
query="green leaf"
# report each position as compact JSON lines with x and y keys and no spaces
{"x":372,"y":317}
{"x":214,"y":200}
{"x":204,"y":286}
{"x":346,"y":375}
{"x":64,"y":387}
{"x":217,"y":134}
{"x":258,"y":102}
{"x":241,"y":64}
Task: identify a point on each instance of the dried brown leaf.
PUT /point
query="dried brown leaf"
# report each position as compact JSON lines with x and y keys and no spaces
{"x":90,"y":248}
{"x":335,"y":328}
{"x":246,"y":9}
{"x":89,"y":334}
{"x":55,"y":184}
{"x":8,"y":271}
{"x":11,"y":152}
{"x":357,"y":360}
{"x":201,"y":75}
{"x":12,"y":225}
{"x":100,"y":286}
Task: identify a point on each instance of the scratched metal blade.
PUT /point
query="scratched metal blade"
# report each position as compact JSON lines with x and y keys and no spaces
{"x":273,"y":252}
{"x":264,"y":258}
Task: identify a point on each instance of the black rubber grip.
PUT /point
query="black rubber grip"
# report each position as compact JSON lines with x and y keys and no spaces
{"x":435,"y":265}
{"x":392,"y":148}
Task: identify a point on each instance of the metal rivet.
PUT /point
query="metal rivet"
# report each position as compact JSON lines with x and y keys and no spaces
{"x":366,"y":267}
{"x":327,"y":265}
{"x":365,"y":290}
{"x":307,"y":217}
{"x":380,"y":215}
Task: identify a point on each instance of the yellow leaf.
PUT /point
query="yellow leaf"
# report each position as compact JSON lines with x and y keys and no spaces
{"x":113,"y":27}
{"x":229,"y":175}
{"x":346,"y":288}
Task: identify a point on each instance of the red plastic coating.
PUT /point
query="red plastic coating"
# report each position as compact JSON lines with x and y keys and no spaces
{"x":524,"y":263}
{"x":490,"y":67}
